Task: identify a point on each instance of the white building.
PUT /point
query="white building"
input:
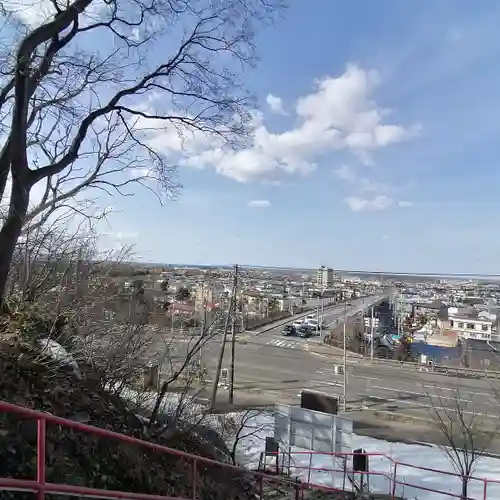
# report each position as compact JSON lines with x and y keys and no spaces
{"x":324,"y":277}
{"x":479,"y":328}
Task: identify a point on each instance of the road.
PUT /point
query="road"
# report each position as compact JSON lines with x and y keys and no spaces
{"x":332,"y":315}
{"x":273,"y":368}
{"x":390,"y":401}
{"x":393,"y":402}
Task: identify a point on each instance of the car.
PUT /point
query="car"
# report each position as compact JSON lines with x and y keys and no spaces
{"x":298,"y":324}
{"x":305,"y":331}
{"x":288,"y":331}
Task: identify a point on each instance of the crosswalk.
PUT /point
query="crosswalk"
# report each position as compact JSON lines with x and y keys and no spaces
{"x":285,"y":343}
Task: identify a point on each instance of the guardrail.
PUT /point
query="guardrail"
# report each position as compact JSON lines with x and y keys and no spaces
{"x":394,"y":479}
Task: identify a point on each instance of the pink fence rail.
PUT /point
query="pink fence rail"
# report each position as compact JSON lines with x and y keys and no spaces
{"x":41,"y":487}
{"x":395,"y":477}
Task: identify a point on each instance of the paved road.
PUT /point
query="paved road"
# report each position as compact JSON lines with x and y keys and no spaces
{"x":389,"y":390}
{"x":276,"y":368}
{"x":277,"y":372}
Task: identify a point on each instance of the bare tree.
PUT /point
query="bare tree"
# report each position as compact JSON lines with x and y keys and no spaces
{"x":186,"y":365}
{"x":466,"y":432}
{"x":50,"y":258}
{"x":59,"y":290}
{"x":75,"y":119}
{"x":252,"y":423}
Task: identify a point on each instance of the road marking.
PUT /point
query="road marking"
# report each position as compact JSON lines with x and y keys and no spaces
{"x":436,"y":387}
{"x":459,"y":390}
{"x":404,"y":401}
{"x":430,"y":395}
{"x":323,"y":356}
{"x":325,"y":382}
{"x":282,"y":343}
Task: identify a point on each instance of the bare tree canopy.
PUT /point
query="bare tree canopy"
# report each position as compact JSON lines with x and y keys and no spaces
{"x":466,"y":432}
{"x":84,"y":83}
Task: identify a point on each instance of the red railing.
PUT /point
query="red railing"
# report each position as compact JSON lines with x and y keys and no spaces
{"x":394,"y":478}
{"x":41,"y":487}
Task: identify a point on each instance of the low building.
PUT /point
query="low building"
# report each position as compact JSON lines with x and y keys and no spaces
{"x":478,"y":328}
{"x":206,"y":294}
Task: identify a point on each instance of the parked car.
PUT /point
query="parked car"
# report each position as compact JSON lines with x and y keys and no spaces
{"x":288,"y":331}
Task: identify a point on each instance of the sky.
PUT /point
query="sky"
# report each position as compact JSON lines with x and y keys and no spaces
{"x":376,"y":147}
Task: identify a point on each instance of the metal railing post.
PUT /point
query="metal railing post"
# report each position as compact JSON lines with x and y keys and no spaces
{"x":297,"y":489}
{"x":194,"y":478}
{"x":394,"y":472}
{"x":261,"y":485}
{"x":40,"y":458}
{"x":485,"y":489}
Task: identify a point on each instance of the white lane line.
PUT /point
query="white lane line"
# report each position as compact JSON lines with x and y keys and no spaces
{"x":323,"y":356}
{"x":324,"y":382}
{"x":436,"y":387}
{"x":460,"y":390}
{"x":425,"y":395}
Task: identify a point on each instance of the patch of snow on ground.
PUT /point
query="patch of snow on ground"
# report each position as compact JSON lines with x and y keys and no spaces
{"x":428,"y":456}
{"x":432,"y":457}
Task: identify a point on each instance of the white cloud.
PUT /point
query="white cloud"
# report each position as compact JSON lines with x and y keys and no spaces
{"x":339,"y":114}
{"x":379,"y":202}
{"x":275,"y":103}
{"x":404,"y":204}
{"x":346,"y":173}
{"x":259,"y":203}
{"x":381,"y":191}
{"x":126,"y":236}
{"x":33,"y":13}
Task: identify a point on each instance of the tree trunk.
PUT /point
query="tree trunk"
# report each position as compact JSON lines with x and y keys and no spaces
{"x":465,"y":484}
{"x":159,"y":401}
{"x":11,"y":230}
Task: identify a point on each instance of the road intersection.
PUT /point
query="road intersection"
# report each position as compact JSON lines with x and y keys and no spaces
{"x":271,"y":368}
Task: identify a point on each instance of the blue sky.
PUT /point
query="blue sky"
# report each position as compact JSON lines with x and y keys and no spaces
{"x":412,"y":184}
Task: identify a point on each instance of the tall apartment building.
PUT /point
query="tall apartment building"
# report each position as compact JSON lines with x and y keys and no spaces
{"x":324,"y":277}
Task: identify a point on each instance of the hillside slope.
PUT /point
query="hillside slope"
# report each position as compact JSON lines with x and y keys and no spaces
{"x":80,"y":459}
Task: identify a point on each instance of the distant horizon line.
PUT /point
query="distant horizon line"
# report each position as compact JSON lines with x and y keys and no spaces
{"x":281,"y":268}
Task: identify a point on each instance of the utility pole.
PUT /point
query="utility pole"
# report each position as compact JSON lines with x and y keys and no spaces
{"x":233,"y":340}
{"x":322,"y":314}
{"x":345,"y":355}
{"x":215,"y":383}
{"x":372,"y":330}
{"x":203,"y":332}
{"x":317,"y":319}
